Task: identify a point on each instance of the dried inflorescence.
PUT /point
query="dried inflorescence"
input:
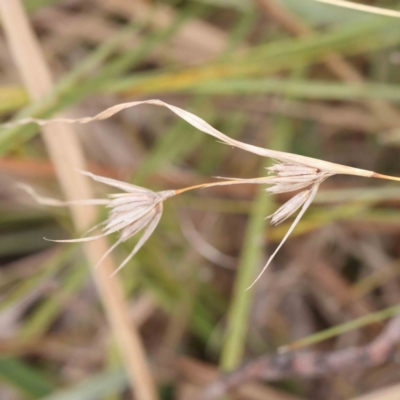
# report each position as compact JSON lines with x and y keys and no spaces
{"x":289,"y":177}
{"x":131,"y":212}
{"x":141,"y":208}
{"x":292,"y":176}
{"x":290,"y":207}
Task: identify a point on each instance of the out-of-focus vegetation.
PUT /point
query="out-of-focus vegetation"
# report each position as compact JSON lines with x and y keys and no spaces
{"x":330,"y":92}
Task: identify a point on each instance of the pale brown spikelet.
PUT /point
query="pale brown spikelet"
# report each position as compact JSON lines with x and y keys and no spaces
{"x":290,"y":207}
{"x":291,"y":169}
{"x":309,"y":196}
{"x":287,"y":177}
{"x":290,"y":176}
{"x":131,"y":212}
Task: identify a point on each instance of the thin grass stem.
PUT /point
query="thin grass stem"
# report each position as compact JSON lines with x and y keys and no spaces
{"x":362,"y":7}
{"x":261,"y":180}
{"x":388,"y":177}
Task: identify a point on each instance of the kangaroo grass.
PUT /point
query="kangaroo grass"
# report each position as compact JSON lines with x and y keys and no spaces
{"x":141,"y":208}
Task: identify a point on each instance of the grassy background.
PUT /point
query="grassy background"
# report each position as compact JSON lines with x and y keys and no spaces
{"x":238,"y":65}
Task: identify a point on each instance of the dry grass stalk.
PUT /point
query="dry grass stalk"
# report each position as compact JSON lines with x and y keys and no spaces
{"x":362,"y":7}
{"x":66,"y":153}
{"x":203,"y":126}
{"x":291,"y":172}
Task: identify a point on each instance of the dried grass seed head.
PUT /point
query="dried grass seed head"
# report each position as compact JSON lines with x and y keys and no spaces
{"x":290,"y":176}
{"x":131,"y":212}
{"x":293,"y":172}
{"x":290,"y":207}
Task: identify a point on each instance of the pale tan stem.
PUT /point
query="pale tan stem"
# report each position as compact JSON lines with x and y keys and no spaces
{"x":362,"y":7}
{"x":388,"y":177}
{"x":224,"y":183}
{"x":264,"y":180}
{"x":66,"y":153}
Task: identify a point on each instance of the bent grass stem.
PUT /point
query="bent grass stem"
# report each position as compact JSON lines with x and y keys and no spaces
{"x":223,"y":183}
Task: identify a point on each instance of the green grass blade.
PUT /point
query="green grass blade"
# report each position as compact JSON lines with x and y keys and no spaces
{"x":33,"y":5}
{"x":93,"y":388}
{"x":249,"y":263}
{"x":251,"y":257}
{"x":267,"y":59}
{"x":75,"y":86}
{"x":343,"y":328}
{"x":303,"y":89}
{"x":24,"y":378}
{"x":44,"y":315}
